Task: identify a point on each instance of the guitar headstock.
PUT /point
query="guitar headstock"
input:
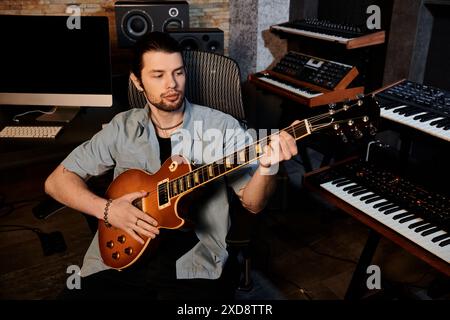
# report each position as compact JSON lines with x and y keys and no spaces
{"x":350,"y":120}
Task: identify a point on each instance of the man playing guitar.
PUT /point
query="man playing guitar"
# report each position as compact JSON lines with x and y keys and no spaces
{"x":190,"y":263}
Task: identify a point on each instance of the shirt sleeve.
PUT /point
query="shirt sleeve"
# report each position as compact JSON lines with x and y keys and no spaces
{"x":96,"y":156}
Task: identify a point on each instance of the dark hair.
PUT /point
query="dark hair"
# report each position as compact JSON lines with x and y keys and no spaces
{"x":153,"y":41}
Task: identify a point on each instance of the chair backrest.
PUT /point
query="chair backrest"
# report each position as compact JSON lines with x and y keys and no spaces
{"x":213,"y":80}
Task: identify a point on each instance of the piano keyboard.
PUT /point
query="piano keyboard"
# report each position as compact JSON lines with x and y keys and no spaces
{"x":405,"y":222}
{"x":351,"y":36}
{"x":428,"y":122}
{"x":317,"y":35}
{"x":421,"y":107}
{"x":301,"y":91}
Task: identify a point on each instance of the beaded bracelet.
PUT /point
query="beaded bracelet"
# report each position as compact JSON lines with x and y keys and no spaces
{"x":105,"y":216}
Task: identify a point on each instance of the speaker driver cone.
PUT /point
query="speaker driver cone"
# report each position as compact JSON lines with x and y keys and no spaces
{"x":189,"y":44}
{"x":136,"y":25}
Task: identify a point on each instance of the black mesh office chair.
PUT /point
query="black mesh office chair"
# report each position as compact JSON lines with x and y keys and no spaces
{"x":213,"y":80}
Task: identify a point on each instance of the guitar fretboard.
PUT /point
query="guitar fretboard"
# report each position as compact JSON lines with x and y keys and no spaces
{"x":212,"y":171}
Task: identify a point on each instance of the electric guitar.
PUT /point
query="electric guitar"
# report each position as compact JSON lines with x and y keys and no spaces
{"x":167,"y":188}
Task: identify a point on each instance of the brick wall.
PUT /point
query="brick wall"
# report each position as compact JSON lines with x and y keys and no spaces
{"x":203,"y":14}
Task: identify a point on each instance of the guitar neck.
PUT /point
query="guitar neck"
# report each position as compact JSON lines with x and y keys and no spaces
{"x":210,"y":172}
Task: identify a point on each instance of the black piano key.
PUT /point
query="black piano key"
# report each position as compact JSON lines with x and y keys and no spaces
{"x":401,"y":110}
{"x":395,"y":209}
{"x":357,"y":193}
{"x":410,"y":111}
{"x":443,"y":123}
{"x":403,"y":220}
{"x":441,"y":237}
{"x":401,"y":215}
{"x":386,"y":207}
{"x":421,"y":116}
{"x":390,"y":106}
{"x":404,"y":110}
{"x":343,"y":183}
{"x":444,"y":243}
{"x":349,"y":188}
{"x":373,"y":199}
{"x":354,"y":190}
{"x":339,"y":180}
{"x":424,"y":227}
{"x":430,"y":231}
{"x":428,"y":117}
{"x":380,"y":204}
{"x":436,"y":122}
{"x":369,"y":196}
{"x":413,"y":112}
{"x":416,"y":224}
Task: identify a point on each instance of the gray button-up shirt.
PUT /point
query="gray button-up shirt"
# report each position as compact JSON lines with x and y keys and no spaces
{"x":130,"y":141}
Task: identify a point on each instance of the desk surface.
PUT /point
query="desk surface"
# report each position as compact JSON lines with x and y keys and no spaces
{"x":16,"y":153}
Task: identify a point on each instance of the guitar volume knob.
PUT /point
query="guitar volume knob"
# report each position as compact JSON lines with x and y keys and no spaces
{"x":129,"y":251}
{"x":121,"y":239}
{"x":116,"y":255}
{"x":110,"y":244}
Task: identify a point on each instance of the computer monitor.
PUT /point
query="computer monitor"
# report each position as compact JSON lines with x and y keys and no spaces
{"x":46,"y":62}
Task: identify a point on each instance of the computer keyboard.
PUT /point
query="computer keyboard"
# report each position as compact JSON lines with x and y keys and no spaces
{"x":44,"y":132}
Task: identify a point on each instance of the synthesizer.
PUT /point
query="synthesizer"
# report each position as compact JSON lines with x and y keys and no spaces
{"x":421,"y":107}
{"x":398,"y":208}
{"x":349,"y":35}
{"x":309,"y":80}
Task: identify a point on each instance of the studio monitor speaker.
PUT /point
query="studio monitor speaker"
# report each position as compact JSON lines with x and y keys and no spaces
{"x":202,"y":39}
{"x":135,"y":19}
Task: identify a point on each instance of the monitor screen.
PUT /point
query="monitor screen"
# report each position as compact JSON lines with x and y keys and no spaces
{"x":44,"y":62}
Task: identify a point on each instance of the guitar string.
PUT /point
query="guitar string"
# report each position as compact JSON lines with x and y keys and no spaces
{"x":215,"y":165}
{"x":295,"y":127}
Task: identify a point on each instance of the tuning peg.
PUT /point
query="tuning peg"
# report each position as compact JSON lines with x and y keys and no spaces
{"x":357,"y":133}
{"x":346,"y":104}
{"x":332,"y":105}
{"x":350,"y":122}
{"x":336,"y":126}
{"x":365,"y":119}
{"x":343,"y":136}
{"x":360,"y":103}
{"x":372,"y":130}
{"x":360,"y":95}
